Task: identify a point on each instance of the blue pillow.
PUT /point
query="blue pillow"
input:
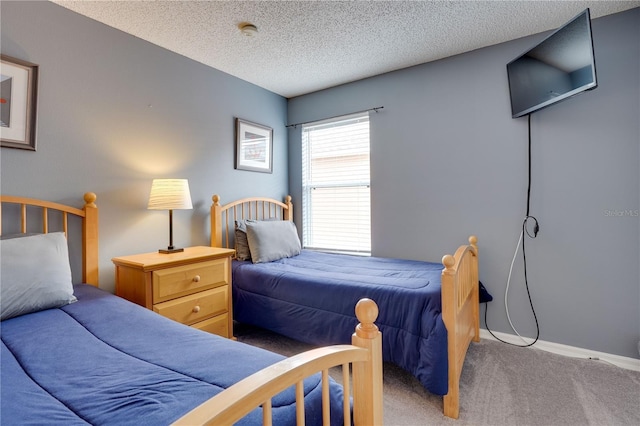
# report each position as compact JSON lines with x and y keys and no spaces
{"x":241,"y":243}
{"x":272,"y":240}
{"x":36,"y":274}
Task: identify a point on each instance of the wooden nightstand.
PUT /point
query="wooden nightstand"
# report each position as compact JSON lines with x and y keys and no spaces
{"x":192,"y":287}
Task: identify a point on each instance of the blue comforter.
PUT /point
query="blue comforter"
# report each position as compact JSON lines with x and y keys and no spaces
{"x":292,"y":296}
{"x":103,"y":360}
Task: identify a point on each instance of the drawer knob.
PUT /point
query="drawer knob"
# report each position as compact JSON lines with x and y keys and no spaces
{"x":196,"y":279}
{"x":196,"y":309}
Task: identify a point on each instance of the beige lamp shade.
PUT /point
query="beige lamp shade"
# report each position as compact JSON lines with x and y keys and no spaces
{"x":170,"y":194}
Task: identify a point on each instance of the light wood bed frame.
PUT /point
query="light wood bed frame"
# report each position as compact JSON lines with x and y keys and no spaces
{"x":460,"y":297}
{"x":88,"y":214}
{"x":363,"y":357}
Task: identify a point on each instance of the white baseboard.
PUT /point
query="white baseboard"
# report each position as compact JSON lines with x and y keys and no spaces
{"x":571,"y":351}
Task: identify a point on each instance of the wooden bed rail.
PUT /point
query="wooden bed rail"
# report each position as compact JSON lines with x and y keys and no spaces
{"x":89,"y":216}
{"x":259,"y":208}
{"x":365,"y":356}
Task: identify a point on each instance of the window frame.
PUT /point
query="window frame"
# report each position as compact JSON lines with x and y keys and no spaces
{"x":357,"y":240}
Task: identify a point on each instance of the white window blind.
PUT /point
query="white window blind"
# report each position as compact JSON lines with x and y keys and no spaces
{"x":336,"y":206}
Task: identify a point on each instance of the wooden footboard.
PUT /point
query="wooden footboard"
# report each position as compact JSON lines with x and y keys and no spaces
{"x":365,"y":356}
{"x":460,"y":313}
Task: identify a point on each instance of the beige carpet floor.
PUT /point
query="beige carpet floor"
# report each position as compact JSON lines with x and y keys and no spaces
{"x":502,"y":385}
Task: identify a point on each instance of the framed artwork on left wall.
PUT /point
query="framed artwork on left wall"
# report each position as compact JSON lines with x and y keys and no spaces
{"x":254,"y":145}
{"x":18,"y":103}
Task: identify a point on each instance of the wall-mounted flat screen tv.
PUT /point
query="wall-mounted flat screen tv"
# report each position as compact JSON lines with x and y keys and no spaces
{"x":560,"y":66}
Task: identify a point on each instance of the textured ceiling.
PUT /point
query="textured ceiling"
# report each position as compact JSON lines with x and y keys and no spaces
{"x":304,"y":46}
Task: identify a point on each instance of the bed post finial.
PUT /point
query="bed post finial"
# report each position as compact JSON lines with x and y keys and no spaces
{"x":216,"y":199}
{"x":288,"y":211}
{"x":473,"y":240}
{"x":448,"y":261}
{"x":367,"y":313}
{"x":90,"y":199}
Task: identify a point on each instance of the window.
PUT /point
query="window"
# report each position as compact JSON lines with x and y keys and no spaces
{"x":336,"y":206}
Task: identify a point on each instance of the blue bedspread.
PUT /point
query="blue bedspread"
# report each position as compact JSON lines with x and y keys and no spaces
{"x":103,"y":360}
{"x":292,"y":296}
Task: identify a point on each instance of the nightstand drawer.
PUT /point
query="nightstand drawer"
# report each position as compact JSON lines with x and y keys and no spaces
{"x":216,"y":325}
{"x":171,"y":283}
{"x":196,"y":307}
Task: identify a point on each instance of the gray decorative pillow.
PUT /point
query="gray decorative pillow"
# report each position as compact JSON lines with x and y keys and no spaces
{"x":242,"y":245}
{"x":19,"y":235}
{"x":272,"y":240}
{"x":35,"y":274}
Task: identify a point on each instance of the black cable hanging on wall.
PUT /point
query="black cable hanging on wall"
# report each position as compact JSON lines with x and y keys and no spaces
{"x":375,"y":109}
{"x":525,"y":230}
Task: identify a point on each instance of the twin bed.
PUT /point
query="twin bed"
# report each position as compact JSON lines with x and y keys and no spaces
{"x":79,"y":355}
{"x":74,"y":354}
{"x":430,"y":311}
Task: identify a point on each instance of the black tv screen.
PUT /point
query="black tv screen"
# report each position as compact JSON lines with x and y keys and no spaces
{"x":560,"y":66}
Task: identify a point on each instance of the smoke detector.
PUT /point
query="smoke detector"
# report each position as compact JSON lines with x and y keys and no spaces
{"x":248,"y":30}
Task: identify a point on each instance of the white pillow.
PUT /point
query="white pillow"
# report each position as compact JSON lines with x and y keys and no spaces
{"x":272,"y":240}
{"x":34,"y":274}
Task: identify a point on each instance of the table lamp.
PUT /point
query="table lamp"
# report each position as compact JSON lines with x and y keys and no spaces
{"x":170,"y":194}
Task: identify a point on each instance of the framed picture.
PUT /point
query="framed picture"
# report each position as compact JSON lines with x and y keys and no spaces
{"x":254,"y":144}
{"x":18,"y":103}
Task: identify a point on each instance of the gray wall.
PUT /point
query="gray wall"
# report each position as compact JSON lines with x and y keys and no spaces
{"x":448,"y":161}
{"x":115,"y":112}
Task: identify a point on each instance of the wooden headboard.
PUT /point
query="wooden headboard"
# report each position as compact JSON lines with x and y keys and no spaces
{"x":258,"y":208}
{"x":88,"y":215}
